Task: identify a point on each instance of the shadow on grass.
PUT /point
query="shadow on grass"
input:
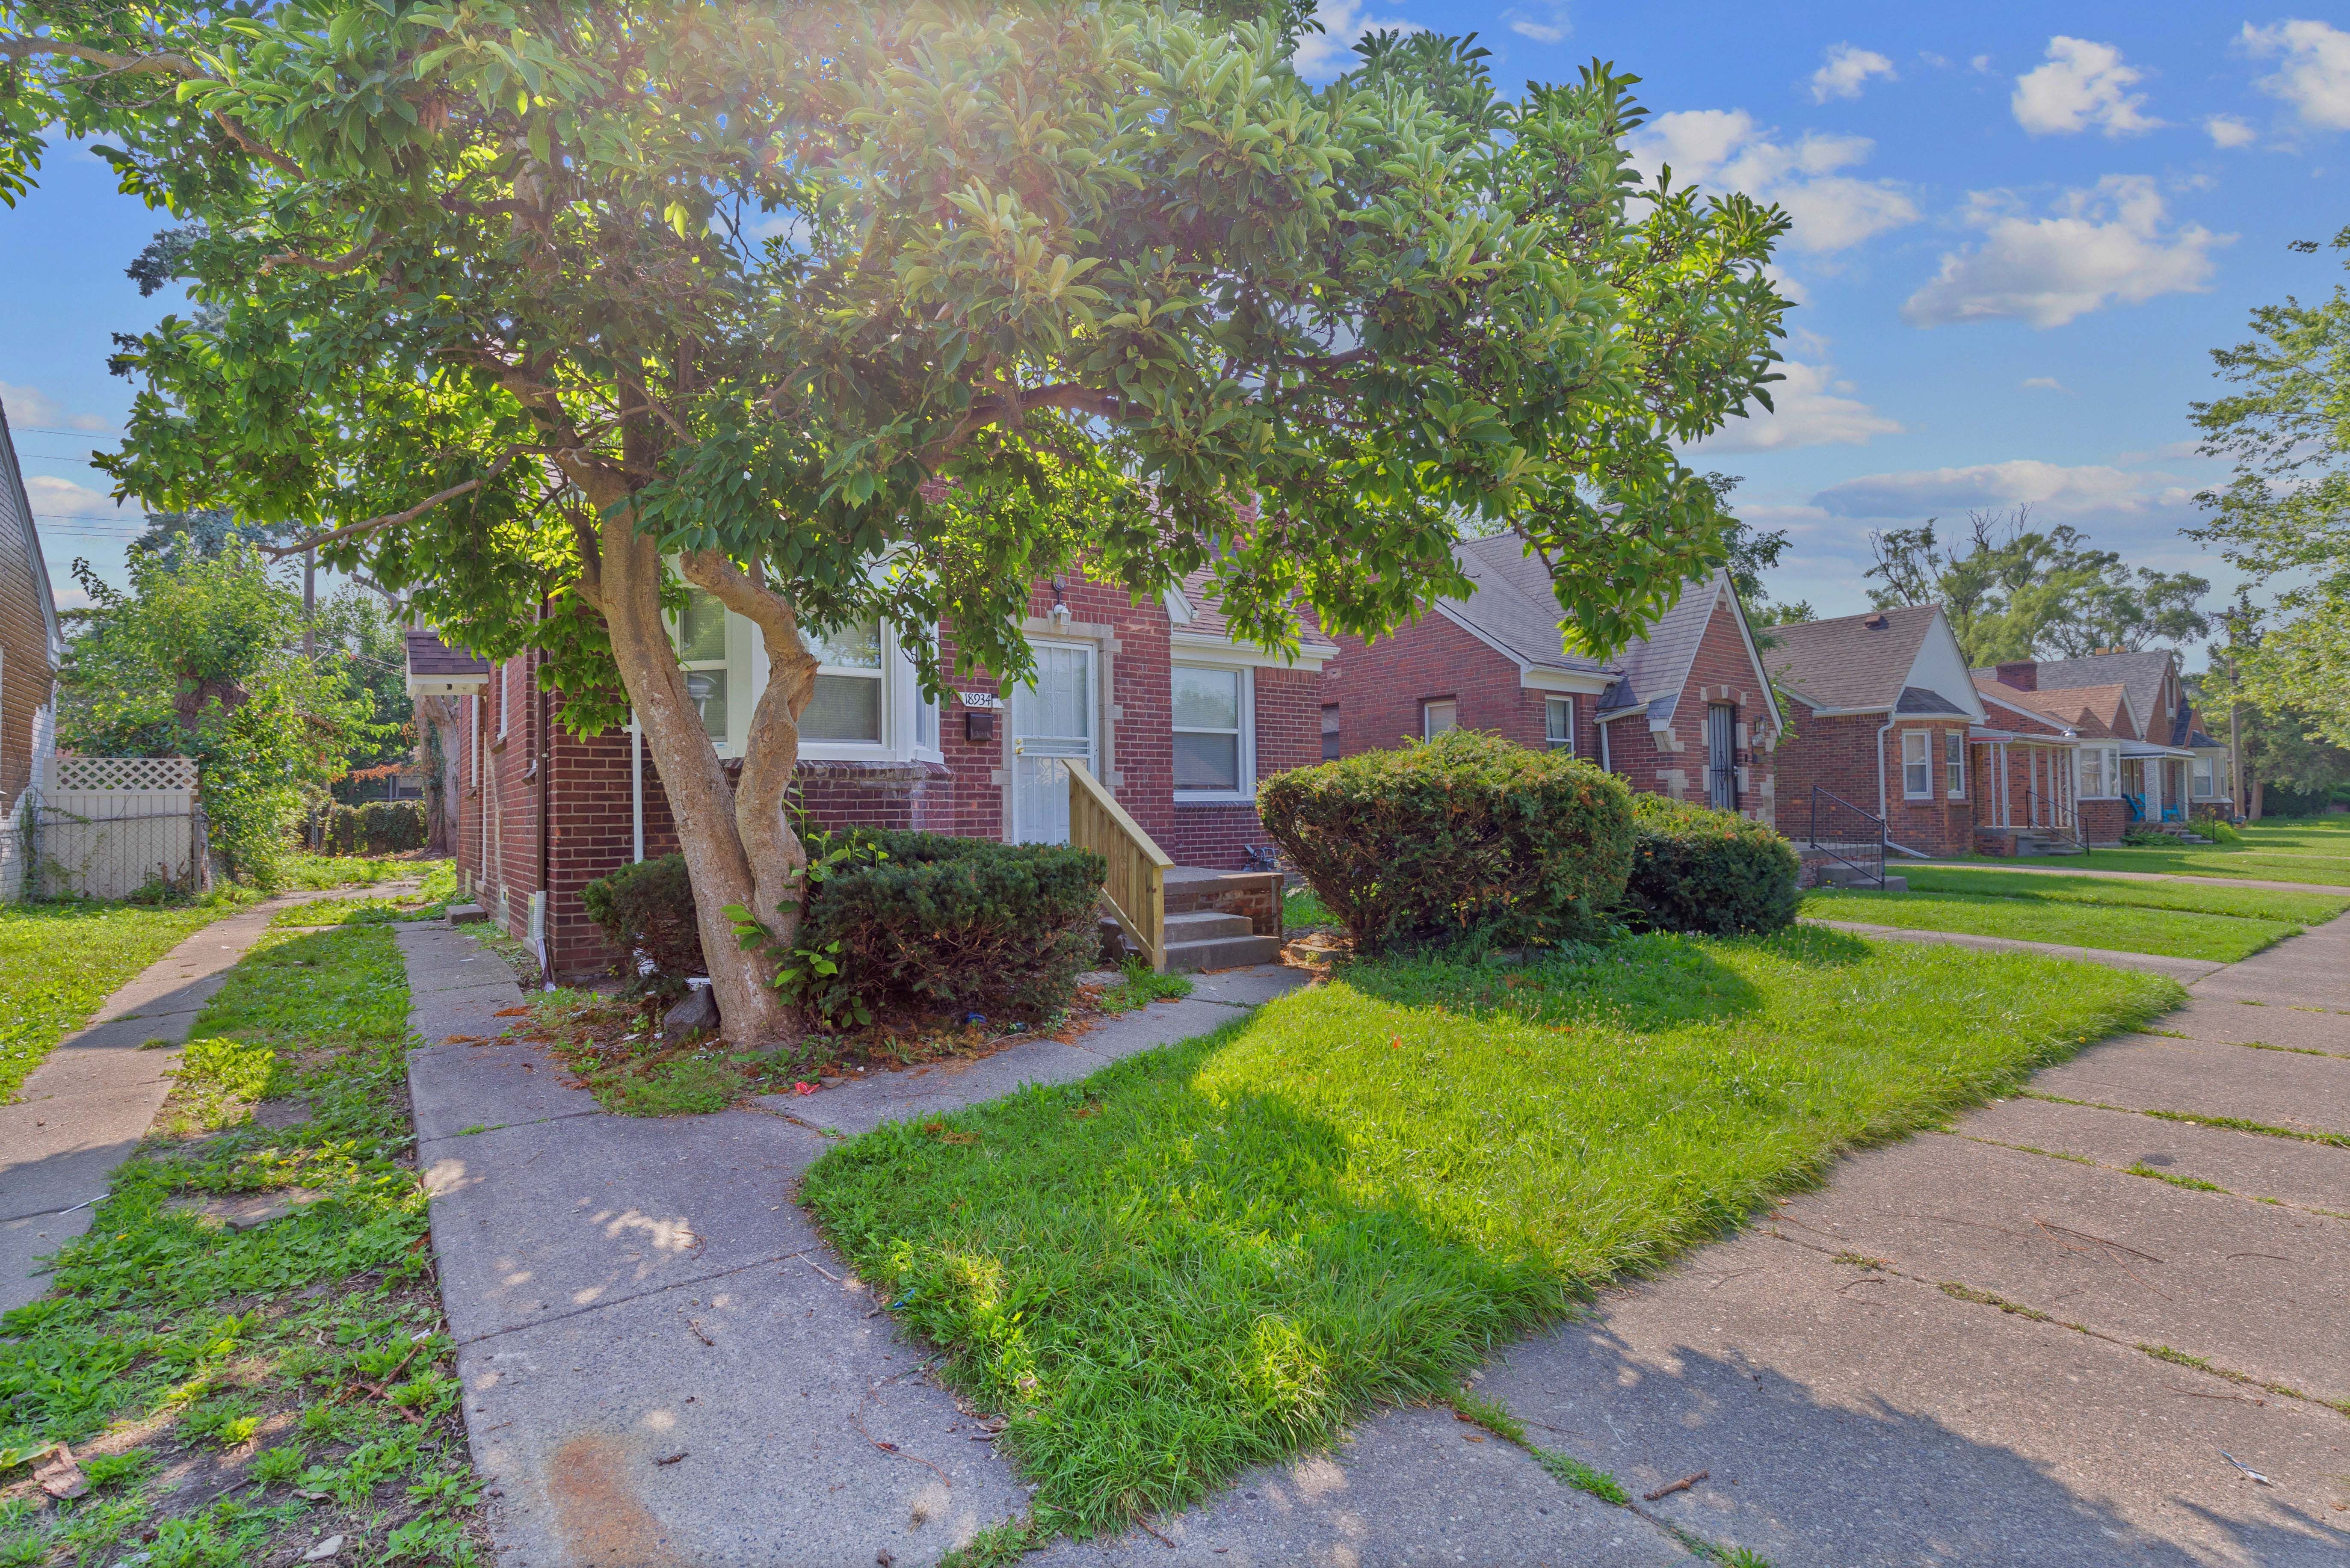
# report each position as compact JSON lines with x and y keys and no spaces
{"x":1645,"y":984}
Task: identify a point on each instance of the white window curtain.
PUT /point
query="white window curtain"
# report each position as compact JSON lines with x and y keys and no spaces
{"x":701,"y":651}
{"x":1435,"y":718}
{"x":1918,"y":763}
{"x":1212,"y":753}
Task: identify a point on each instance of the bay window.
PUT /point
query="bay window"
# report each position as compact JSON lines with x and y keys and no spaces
{"x":1213,"y":756}
{"x":2100,"y":772}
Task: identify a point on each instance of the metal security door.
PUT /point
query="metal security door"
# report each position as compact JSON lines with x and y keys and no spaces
{"x":1720,"y":757}
{"x":1052,"y":723}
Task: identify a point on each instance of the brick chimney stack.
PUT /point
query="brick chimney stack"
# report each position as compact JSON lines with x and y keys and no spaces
{"x":2023,"y":675}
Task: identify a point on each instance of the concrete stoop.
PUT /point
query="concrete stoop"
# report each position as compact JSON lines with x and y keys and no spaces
{"x":1206,"y":939}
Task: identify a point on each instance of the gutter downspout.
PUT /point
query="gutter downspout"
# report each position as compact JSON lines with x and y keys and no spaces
{"x":546,"y":822}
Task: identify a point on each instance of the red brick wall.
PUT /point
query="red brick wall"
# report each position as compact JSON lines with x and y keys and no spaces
{"x":1381,"y":685}
{"x":1673,"y":762}
{"x":27,"y":682}
{"x":1839,"y":754}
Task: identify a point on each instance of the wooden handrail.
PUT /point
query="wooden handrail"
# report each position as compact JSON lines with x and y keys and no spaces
{"x":1136,"y":889}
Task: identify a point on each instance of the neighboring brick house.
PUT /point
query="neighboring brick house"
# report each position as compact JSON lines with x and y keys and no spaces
{"x":32,"y":648}
{"x":1883,"y":718}
{"x":2144,"y":753}
{"x":1687,"y":711}
{"x":1177,"y":719}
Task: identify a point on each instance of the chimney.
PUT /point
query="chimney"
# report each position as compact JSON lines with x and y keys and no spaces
{"x":2023,"y":675}
{"x":1875,"y":622}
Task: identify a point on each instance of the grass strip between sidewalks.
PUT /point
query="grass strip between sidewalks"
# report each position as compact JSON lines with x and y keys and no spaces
{"x":2312,"y":850}
{"x":1215,"y":1254}
{"x":59,"y":961}
{"x":2116,"y":927}
{"x":232,"y":1396}
{"x":2196,"y":897}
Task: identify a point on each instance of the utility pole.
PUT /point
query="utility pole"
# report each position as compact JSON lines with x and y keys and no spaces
{"x":310,"y":603}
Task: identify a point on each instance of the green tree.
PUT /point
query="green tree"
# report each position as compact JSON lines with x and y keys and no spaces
{"x":2278,"y":748}
{"x":845,"y":311}
{"x":2285,"y":512}
{"x":1752,"y":552}
{"x":357,"y":630}
{"x":2012,"y":591}
{"x":202,"y":658}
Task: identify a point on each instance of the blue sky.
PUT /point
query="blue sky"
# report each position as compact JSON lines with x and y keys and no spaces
{"x":2018,"y":232}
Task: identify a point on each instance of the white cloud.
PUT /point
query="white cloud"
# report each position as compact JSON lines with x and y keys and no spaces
{"x":1724,"y":149}
{"x":53,"y":497}
{"x":1330,"y":52}
{"x":2046,"y":384}
{"x":2104,"y":244}
{"x":1551,"y":27}
{"x":1980,"y":65}
{"x":2084,"y":84}
{"x":2052,"y":490}
{"x":2227,"y":131}
{"x":30,"y":406}
{"x":2317,"y":76}
{"x":1846,"y":70}
{"x":1813,"y":410}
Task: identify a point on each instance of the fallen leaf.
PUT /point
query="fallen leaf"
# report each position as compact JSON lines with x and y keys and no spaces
{"x":803,"y":1088}
{"x":324,"y":1550}
{"x":512,"y":1013}
{"x":61,"y":1476}
{"x":672,"y":1459}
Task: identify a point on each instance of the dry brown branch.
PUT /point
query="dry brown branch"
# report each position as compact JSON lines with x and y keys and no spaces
{"x":393,"y":519}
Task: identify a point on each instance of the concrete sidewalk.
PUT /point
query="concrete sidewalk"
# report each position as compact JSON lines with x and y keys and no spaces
{"x":662,"y":1361}
{"x":87,"y":1105}
{"x":2182,"y":969}
{"x":2128,"y":876}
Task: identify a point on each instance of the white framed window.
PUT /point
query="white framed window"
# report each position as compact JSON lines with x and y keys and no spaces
{"x":701,"y":651}
{"x":1215,"y":757}
{"x":505,"y":695}
{"x":1558,"y":724}
{"x":1438,"y":716}
{"x":1330,"y":745}
{"x":1954,"y":762}
{"x":2206,"y":775}
{"x":2100,"y":773}
{"x":476,"y":747}
{"x":850,"y":683}
{"x":1918,"y":763}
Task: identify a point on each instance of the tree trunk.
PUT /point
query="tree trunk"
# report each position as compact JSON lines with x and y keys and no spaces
{"x":725,"y":864}
{"x":438,"y":718}
{"x":2260,"y":789}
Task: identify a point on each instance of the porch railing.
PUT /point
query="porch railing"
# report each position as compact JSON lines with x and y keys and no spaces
{"x":1136,"y":889}
{"x":1847,"y":835}
{"x":2062,"y":819}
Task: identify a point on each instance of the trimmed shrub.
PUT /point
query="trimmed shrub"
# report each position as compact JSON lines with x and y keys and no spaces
{"x":646,"y":910}
{"x":1714,"y":873}
{"x":1467,"y":836}
{"x":927,"y":922}
{"x":378,"y":827}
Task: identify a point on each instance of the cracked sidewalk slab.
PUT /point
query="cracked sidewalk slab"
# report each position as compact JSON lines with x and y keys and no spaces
{"x":2183,"y":968}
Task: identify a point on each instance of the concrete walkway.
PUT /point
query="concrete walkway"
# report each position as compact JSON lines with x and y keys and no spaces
{"x":89,"y":1102}
{"x":662,"y":1363}
{"x":2183,"y":968}
{"x":2128,"y":876}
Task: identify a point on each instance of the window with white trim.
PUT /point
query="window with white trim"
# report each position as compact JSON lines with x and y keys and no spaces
{"x":505,"y":695}
{"x":701,"y":635}
{"x":1213,"y":756}
{"x":2206,"y":775}
{"x":1918,"y":763}
{"x":926,"y":708}
{"x":1954,"y":762}
{"x":1437,"y":717}
{"x":848,"y":703}
{"x":2101,"y":769}
{"x":1558,"y":724}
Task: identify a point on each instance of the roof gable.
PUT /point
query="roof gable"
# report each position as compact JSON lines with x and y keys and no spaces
{"x":1861,"y":662}
{"x":13,"y":498}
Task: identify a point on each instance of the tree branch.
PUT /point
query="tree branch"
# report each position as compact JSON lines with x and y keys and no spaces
{"x":393,"y":519}
{"x":348,"y":261}
{"x":156,"y":65}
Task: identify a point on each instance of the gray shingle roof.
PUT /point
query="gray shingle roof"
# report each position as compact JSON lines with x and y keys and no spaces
{"x":1515,"y":605}
{"x":429,"y":656}
{"x":1919,"y":699}
{"x":1848,"y":663}
{"x":1208,"y":616}
{"x":2140,"y":673}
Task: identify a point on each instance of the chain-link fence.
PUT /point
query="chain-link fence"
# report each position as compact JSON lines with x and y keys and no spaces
{"x":109,"y":827}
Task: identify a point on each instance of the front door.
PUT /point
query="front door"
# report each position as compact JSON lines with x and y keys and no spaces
{"x":1052,"y":725}
{"x":1721,"y":757}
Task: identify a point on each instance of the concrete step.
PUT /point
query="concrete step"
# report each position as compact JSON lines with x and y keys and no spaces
{"x":1204,"y":925}
{"x":1220,"y":952}
{"x":466,"y":914}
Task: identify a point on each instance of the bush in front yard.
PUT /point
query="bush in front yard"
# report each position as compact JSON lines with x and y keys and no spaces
{"x":377,"y":827}
{"x":1464,"y":836}
{"x":1715,"y":873}
{"x":928,"y":922}
{"x":646,"y":910}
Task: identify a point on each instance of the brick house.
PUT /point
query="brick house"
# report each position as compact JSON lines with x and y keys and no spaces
{"x":1687,"y":711}
{"x":1885,"y":721}
{"x":32,"y":648}
{"x":1177,"y":719}
{"x":2142,"y":755}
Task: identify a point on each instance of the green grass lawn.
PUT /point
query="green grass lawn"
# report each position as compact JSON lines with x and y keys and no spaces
{"x":2313,"y":849}
{"x":429,"y":902}
{"x":59,"y":961}
{"x":2172,"y":933}
{"x":233,"y":1397}
{"x":2198,"y":897}
{"x":1216,"y":1254}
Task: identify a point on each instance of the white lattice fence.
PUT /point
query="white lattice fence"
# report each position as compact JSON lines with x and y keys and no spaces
{"x":104,"y":827}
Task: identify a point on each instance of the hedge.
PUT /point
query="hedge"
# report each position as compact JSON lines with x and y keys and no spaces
{"x":1715,"y":873}
{"x":1467,"y":836}
{"x":378,"y":827}
{"x":927,"y":922}
{"x":646,"y":910}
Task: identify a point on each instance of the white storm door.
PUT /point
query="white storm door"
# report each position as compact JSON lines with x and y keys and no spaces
{"x":1052,"y":725}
